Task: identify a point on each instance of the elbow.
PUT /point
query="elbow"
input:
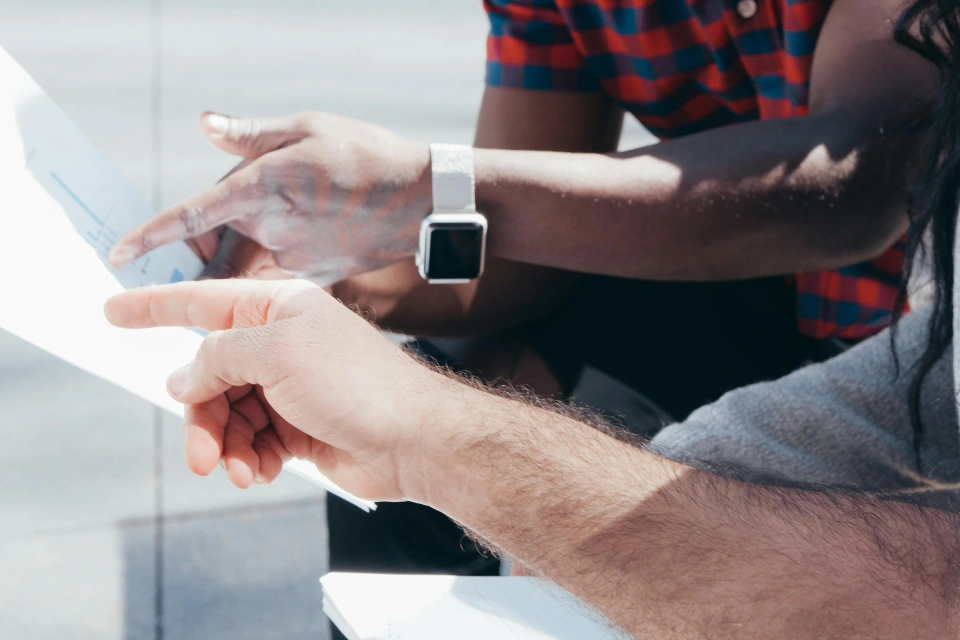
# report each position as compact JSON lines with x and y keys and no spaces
{"x":862,"y":237}
{"x":870,"y":245}
{"x":865,"y":189}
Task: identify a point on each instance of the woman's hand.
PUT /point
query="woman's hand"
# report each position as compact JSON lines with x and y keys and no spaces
{"x":289,"y":372}
{"x":328,"y":197}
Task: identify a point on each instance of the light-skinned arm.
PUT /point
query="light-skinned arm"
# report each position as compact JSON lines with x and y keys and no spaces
{"x":669,"y":552}
{"x":663,"y":550}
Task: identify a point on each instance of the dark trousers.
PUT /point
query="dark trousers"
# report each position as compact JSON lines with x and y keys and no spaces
{"x":678,"y":345}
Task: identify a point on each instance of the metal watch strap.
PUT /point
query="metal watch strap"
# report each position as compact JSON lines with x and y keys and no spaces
{"x":454,"y":190}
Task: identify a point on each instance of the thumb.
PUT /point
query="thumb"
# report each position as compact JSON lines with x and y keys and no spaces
{"x":226,"y":359}
{"x":252,"y":137}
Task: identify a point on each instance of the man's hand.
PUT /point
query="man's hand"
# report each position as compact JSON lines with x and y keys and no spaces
{"x":663,"y":550}
{"x":330,"y":197}
{"x":290,"y":372}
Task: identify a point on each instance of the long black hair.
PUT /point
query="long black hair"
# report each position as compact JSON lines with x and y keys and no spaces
{"x":931,"y":28}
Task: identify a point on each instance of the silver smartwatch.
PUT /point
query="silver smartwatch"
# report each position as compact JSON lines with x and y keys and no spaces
{"x":453,"y":239}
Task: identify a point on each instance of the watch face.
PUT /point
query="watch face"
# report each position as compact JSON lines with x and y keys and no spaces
{"x":455,"y":251}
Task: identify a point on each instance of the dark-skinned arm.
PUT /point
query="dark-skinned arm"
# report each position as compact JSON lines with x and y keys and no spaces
{"x":328,"y":197}
{"x":764,"y":198}
{"x":509,"y":293}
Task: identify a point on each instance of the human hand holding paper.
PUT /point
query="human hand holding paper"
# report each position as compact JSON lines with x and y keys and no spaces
{"x":61,"y":197}
{"x":321,"y":196}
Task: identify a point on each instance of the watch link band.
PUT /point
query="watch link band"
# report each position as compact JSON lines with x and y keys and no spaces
{"x":454,"y":189}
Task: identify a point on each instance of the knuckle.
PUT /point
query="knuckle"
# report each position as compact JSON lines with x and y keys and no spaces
{"x":252,"y":312}
{"x":297,"y":286}
{"x":153,"y":310}
{"x":306,"y":122}
{"x":190,"y":306}
{"x":191,"y":220}
{"x":296,"y":298}
{"x":246,"y":131}
{"x":254,"y":174}
{"x":299,"y":121}
{"x":281,"y":202}
{"x":144,"y":241}
{"x":288,"y":204}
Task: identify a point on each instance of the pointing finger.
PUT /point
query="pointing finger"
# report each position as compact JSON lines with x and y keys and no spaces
{"x":235,"y":197}
{"x":214,"y":305}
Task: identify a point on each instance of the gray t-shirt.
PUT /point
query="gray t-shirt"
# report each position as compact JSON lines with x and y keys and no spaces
{"x":844,"y":422}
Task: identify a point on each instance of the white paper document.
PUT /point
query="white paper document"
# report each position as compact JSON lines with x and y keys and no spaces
{"x":406,"y":607}
{"x":62,"y":205}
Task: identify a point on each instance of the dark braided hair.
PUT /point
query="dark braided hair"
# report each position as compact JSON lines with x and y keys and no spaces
{"x":932,"y":29}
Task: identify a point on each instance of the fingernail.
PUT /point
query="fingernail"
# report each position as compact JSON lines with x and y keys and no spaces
{"x":216,"y":123}
{"x":177,"y":382}
{"x":120,"y":255}
{"x":260,"y":479}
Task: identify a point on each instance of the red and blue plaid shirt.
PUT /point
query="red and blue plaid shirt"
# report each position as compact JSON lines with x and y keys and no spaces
{"x":685,"y":66}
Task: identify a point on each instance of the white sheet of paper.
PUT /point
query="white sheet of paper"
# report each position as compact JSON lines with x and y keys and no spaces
{"x":408,"y":607}
{"x":62,"y":205}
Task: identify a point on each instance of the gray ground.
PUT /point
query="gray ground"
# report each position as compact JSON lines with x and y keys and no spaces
{"x":104,"y":533}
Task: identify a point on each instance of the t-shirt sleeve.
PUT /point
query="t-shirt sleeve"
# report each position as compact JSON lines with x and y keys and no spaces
{"x":531,"y":47}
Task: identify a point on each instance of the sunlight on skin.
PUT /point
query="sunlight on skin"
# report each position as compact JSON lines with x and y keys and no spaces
{"x":709,"y":188}
{"x":812,"y":172}
{"x":766,"y":181}
{"x":818,"y":165}
{"x":319,"y":383}
{"x":669,"y":176}
{"x":284,"y":374}
{"x":308,"y":190}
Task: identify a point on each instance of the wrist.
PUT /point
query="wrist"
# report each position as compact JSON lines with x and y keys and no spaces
{"x":488,"y":181}
{"x":413,"y":203}
{"x":445,"y":421}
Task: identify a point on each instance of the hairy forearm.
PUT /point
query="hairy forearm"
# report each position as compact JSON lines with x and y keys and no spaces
{"x":765,"y":198}
{"x":670,"y":552}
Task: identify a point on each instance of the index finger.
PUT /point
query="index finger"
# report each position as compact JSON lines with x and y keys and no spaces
{"x":236,"y":196}
{"x":214,"y":305}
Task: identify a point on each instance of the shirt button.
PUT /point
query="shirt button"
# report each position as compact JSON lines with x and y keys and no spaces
{"x":747,"y":8}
